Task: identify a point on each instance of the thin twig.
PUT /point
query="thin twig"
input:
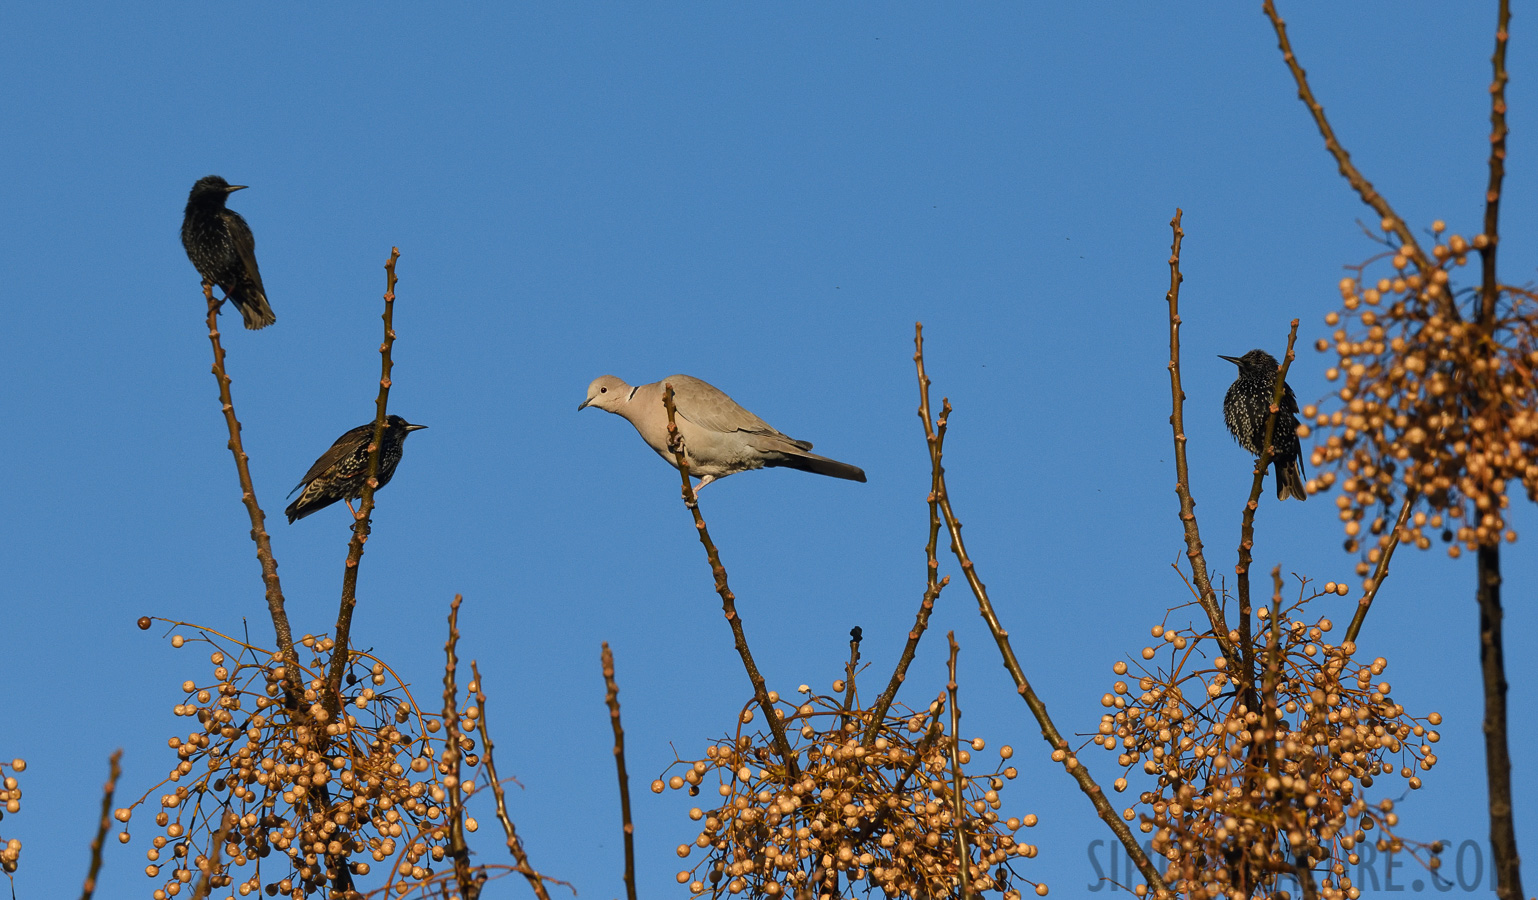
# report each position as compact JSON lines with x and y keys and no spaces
{"x":514,"y":845}
{"x":264,"y":555}
{"x":1049,"y":731}
{"x":1492,"y":666}
{"x":1408,"y":245}
{"x":728,"y":599}
{"x":934,"y":584}
{"x":1247,"y":526}
{"x":361,"y":524}
{"x":210,"y":864}
{"x":850,"y":667}
{"x":113,"y":771}
{"x":958,"y":805}
{"x":1381,"y":572}
{"x":1205,"y":595}
{"x":469,"y":884}
{"x":611,"y":697}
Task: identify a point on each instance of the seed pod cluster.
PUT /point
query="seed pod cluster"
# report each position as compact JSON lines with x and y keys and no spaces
{"x":307,"y":784}
{"x":1256,"y":776}
{"x":1434,"y":398}
{"x":10,"y":800}
{"x":872,"y":805}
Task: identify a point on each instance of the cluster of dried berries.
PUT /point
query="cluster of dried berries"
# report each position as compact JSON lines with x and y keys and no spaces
{"x":862,"y":804}
{"x":10,"y":797}
{"x":1436,"y":399}
{"x":296,"y":787}
{"x":1260,"y":778}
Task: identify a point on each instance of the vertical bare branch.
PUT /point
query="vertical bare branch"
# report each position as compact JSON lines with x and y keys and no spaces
{"x":464,"y":875}
{"x":958,"y":811}
{"x":1205,"y":595}
{"x":264,"y":555}
{"x":728,"y":599}
{"x":933,"y":582}
{"x":1490,"y":290}
{"x":1038,"y":709}
{"x":114,"y":770}
{"x":361,"y":525}
{"x":1247,"y":526}
{"x":514,"y":845}
{"x":611,"y":697}
{"x":1492,"y":665}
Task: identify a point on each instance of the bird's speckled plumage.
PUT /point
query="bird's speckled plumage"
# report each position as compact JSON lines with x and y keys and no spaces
{"x":220,"y":245}
{"x":341,"y":471}
{"x":1246,"y":408}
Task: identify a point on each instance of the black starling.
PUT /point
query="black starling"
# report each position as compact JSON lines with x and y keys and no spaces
{"x":340,"y":472}
{"x":220,"y":245}
{"x":1246,"y":408}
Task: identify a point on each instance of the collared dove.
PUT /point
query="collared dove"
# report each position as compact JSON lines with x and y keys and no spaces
{"x":720,"y":437}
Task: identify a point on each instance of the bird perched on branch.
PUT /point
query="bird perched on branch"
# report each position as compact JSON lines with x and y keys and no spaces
{"x":221,"y":247}
{"x":340,"y":472}
{"x":720,"y":437}
{"x":1246,"y":408}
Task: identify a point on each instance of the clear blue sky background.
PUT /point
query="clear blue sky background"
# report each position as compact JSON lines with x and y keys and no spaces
{"x":767,"y":196}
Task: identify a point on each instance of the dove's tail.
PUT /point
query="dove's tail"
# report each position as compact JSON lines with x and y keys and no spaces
{"x":820,"y":465}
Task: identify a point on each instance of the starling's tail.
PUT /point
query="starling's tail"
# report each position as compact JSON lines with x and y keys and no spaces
{"x":820,"y":465}
{"x":1289,"y":480}
{"x":253,"y":307}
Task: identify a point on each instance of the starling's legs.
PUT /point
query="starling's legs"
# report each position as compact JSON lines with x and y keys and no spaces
{"x":348,"y":501}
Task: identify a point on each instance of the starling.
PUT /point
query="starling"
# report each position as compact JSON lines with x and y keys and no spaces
{"x":1246,"y":408}
{"x":340,"y":472}
{"x":220,"y":245}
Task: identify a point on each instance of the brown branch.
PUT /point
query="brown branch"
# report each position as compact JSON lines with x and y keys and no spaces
{"x":1247,"y":526}
{"x":1492,"y":666}
{"x":728,"y":599}
{"x":361,"y":523}
{"x":514,"y":845}
{"x":958,"y":805}
{"x":1364,"y":189}
{"x":248,"y":492}
{"x":1205,"y":595}
{"x":1381,"y":572}
{"x":1490,"y":290}
{"x":114,"y":770}
{"x":849,"y":672}
{"x":933,"y":582}
{"x":611,"y":697}
{"x":1049,"y":731}
{"x":469,"y":884}
{"x":210,"y":865}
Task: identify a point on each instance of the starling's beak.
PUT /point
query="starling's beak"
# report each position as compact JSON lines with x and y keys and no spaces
{"x":411,"y":428}
{"x":235,"y":187}
{"x":1232,"y":359}
{"x":583,"y":405}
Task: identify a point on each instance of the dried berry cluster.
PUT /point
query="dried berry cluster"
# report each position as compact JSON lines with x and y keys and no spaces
{"x":10,"y":797}
{"x":301,"y":785}
{"x":1436,"y":400}
{"x":1262,"y":777}
{"x":873,"y":805}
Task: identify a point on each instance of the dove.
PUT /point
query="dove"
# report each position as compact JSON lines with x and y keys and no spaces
{"x":720,"y":437}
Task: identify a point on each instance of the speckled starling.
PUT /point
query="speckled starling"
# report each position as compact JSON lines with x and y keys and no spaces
{"x":220,"y":245}
{"x":1246,"y":408}
{"x":340,"y":472}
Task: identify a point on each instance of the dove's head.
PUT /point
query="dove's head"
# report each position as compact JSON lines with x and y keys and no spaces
{"x":607,"y":393}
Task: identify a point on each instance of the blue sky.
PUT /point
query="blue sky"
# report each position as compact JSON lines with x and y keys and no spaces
{"x":763,"y":196}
